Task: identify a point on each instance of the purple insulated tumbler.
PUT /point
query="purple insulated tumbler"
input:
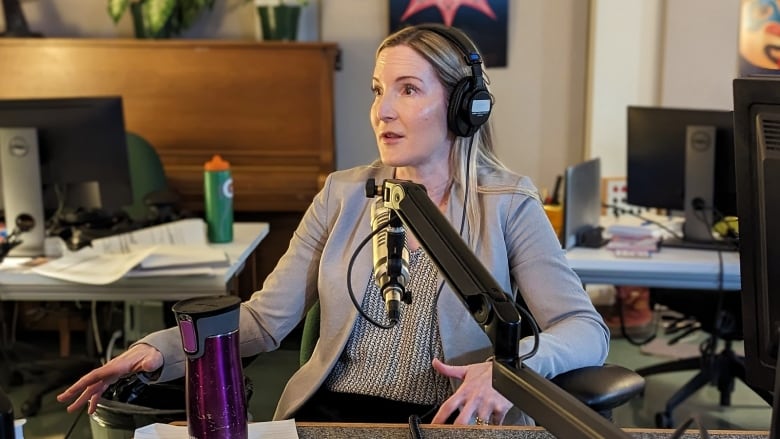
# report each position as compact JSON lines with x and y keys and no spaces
{"x":216,"y":402}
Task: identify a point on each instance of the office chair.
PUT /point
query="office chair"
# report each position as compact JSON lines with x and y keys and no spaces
{"x":602,"y":388}
{"x":154,"y":202}
{"x":719,"y":314}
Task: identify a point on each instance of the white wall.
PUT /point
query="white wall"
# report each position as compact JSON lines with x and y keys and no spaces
{"x":625,"y":52}
{"x":700,"y":60}
{"x":673,"y":53}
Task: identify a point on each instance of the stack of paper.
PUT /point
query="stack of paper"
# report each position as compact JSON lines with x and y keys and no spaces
{"x":633,"y":241}
{"x":176,"y":248}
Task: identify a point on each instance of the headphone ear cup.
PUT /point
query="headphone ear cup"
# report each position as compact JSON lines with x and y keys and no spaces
{"x":464,"y":117}
{"x":456,"y":121}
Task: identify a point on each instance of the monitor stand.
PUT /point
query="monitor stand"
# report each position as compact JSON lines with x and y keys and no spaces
{"x":699,"y":205}
{"x":20,"y":174}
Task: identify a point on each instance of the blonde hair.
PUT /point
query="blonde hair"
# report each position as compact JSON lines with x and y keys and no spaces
{"x":448,"y":61}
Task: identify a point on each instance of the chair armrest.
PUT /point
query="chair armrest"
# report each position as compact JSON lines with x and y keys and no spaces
{"x":601,"y":387}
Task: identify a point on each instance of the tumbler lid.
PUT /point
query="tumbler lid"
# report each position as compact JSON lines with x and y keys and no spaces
{"x":203,"y":317}
{"x":200,"y":307}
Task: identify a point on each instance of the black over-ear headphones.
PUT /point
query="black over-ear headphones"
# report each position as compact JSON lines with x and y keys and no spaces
{"x":470,"y":102}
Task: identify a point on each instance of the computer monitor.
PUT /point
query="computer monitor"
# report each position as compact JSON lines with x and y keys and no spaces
{"x":59,"y":154}
{"x":582,"y":202}
{"x":683,"y":160}
{"x":757,"y":154}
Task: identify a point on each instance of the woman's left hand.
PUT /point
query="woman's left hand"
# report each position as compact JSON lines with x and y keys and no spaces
{"x":477,"y":400}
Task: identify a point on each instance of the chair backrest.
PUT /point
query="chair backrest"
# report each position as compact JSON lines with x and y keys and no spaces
{"x":146,"y":172}
{"x":310,"y":334}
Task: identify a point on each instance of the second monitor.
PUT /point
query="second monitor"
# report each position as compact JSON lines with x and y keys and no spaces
{"x":683,"y":160}
{"x":78,"y":146}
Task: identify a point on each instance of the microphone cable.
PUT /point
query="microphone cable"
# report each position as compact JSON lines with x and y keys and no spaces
{"x":534,"y":328}
{"x":351,"y":264}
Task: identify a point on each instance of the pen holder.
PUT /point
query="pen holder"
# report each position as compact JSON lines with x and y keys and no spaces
{"x":216,"y":399}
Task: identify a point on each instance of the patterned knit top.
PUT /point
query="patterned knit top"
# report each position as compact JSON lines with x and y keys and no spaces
{"x":395,"y":363}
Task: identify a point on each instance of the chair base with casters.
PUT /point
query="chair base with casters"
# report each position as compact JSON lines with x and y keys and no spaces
{"x":44,"y":376}
{"x":719,"y":314}
{"x":720,"y":370}
{"x":602,"y":388}
{"x":22,"y":364}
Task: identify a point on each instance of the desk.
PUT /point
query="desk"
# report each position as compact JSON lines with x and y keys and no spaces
{"x":668,"y":268}
{"x":308,"y":430}
{"x":24,"y":286}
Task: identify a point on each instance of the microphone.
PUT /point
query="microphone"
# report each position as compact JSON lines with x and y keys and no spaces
{"x":391,"y":259}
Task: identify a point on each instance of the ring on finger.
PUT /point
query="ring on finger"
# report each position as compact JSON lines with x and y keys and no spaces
{"x":480,"y":421}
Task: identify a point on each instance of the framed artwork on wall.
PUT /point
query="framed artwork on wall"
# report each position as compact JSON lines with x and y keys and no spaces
{"x":759,"y":37}
{"x":484,"y":21}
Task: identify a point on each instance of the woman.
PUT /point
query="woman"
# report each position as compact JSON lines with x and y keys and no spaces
{"x":429,"y":112}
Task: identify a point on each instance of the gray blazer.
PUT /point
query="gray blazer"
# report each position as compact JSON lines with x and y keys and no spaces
{"x":517,"y":245}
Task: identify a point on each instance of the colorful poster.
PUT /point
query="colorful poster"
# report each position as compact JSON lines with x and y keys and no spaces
{"x":759,"y":37}
{"x":484,"y":21}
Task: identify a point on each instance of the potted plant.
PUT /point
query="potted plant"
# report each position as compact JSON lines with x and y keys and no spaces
{"x":159,"y":18}
{"x":279,"y":18}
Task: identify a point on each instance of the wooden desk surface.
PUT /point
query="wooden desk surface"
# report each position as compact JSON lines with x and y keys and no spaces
{"x":16,"y":285}
{"x":309,"y":430}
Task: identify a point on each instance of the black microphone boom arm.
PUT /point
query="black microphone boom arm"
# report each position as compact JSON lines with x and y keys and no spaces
{"x":559,"y":412}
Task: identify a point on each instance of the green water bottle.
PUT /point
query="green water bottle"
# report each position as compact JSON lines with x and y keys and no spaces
{"x":218,"y":191}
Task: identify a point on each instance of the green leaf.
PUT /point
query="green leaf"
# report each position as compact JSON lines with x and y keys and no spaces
{"x":156,"y":13}
{"x":116,"y":8}
{"x":188,"y":11}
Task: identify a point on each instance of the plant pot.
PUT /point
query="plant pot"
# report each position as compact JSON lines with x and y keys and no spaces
{"x":279,"y":22}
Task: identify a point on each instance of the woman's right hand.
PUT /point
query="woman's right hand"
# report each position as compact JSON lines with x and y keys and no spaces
{"x":139,"y":358}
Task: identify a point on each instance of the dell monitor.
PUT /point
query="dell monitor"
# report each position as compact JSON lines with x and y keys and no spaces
{"x":61,"y":154}
{"x":683,"y":160}
{"x":757,"y":154}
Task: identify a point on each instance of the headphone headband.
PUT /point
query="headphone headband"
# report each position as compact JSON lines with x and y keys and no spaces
{"x":456,"y":37}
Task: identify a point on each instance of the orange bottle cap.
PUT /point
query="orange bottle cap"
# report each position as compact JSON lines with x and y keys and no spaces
{"x":217,"y":164}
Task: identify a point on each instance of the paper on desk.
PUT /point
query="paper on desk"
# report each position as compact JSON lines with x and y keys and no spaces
{"x":257,"y":430}
{"x":172,"y":271}
{"x":171,"y":249}
{"x":166,"y":256}
{"x":89,"y":266}
{"x":179,"y":243}
{"x":191,"y":231}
